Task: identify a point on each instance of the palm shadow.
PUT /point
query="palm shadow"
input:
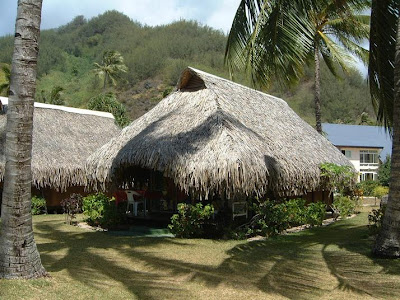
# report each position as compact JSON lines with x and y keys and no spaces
{"x":293,"y":266}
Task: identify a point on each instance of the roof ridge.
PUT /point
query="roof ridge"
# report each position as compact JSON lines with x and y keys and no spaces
{"x":200,"y":73}
{"x":75,"y":110}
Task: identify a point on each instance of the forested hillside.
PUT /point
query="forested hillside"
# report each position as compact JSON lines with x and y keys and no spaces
{"x":155,"y":56}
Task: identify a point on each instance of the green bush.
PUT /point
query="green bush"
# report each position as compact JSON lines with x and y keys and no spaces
{"x":345,"y":206}
{"x":271,"y":217}
{"x":375,"y":219}
{"x":190,"y":220}
{"x":101,"y":210}
{"x":380,"y":191}
{"x":315,"y":213}
{"x":38,"y":205}
{"x":367,"y":187}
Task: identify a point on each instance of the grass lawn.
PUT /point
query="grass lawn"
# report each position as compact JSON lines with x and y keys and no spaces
{"x":333,"y":262}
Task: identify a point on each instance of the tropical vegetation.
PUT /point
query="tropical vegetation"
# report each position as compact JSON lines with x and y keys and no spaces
{"x":384,"y":74}
{"x":155,"y":57}
{"x":265,"y":40}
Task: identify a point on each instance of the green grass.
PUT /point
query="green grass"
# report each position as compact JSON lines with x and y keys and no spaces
{"x":332,"y":262}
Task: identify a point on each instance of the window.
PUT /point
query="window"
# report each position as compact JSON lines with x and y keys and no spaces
{"x":368,"y":157}
{"x":368,"y":176}
{"x":347,"y":153}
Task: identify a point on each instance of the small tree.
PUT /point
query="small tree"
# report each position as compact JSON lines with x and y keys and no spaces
{"x":71,"y":206}
{"x":109,"y":103}
{"x":339,"y":178}
{"x":384,"y":172}
{"x":111,"y":67}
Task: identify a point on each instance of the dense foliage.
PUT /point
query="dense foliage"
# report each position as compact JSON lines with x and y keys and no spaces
{"x":108,"y":102}
{"x":101,"y":210}
{"x":71,"y":206}
{"x":375,"y":219}
{"x":38,"y":205}
{"x":345,"y":206}
{"x":338,"y":178}
{"x":384,"y":171}
{"x":155,"y":57}
{"x":272,"y":218}
{"x":367,"y":187}
{"x":190,"y":220}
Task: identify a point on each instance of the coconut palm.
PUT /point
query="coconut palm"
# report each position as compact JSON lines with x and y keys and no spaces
{"x":278,"y":38}
{"x":6,"y":85}
{"x":384,"y":76}
{"x":19,"y":257}
{"x":111,"y":67}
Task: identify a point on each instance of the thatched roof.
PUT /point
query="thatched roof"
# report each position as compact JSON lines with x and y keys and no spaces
{"x":215,"y":136}
{"x":63,"y":138}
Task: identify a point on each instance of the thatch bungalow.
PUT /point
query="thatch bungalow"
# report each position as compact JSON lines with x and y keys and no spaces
{"x":63,"y":138}
{"x":213,"y":138}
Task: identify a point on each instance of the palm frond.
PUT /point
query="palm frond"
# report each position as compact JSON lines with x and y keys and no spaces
{"x":384,"y":18}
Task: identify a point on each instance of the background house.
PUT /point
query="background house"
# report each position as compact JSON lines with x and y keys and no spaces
{"x":364,"y":146}
{"x":63,"y":138}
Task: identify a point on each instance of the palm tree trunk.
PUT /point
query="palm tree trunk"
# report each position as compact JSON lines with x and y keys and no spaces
{"x":388,"y":241}
{"x":317,"y":92}
{"x":19,"y":257}
{"x":105,"y":81}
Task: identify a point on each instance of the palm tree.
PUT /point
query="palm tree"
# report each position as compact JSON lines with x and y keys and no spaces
{"x":277,"y":38}
{"x":111,"y":67}
{"x":6,"y":85}
{"x":19,"y":257}
{"x":384,"y":76}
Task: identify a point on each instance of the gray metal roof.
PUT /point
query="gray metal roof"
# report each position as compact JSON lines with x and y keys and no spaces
{"x":359,"y":136}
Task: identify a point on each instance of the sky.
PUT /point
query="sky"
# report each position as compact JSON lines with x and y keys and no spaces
{"x":214,"y":13}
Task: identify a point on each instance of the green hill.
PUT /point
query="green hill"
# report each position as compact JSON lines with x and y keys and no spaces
{"x":155,"y":56}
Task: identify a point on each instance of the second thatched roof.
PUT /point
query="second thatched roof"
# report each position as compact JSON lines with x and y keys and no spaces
{"x":63,"y":138}
{"x":215,"y":136}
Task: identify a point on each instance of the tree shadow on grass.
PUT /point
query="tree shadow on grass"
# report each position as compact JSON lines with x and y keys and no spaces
{"x":312,"y":264}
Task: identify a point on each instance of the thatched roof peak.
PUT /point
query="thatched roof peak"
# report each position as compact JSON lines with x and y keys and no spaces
{"x":63,"y":138}
{"x":215,"y":136}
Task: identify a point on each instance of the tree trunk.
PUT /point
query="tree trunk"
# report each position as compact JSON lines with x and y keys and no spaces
{"x":19,"y":257}
{"x":317,"y":92}
{"x":388,"y":241}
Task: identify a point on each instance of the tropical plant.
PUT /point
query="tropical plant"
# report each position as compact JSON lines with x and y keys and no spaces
{"x":384,"y":171}
{"x":109,"y":103}
{"x":54,"y":97}
{"x":336,"y":177}
{"x":71,"y":206}
{"x":345,"y":206}
{"x":384,"y":75}
{"x":101,"y":210}
{"x":38,"y":205}
{"x":110,"y":68}
{"x":7,"y":75}
{"x":19,"y":257}
{"x":190,"y":220}
{"x":276,"y":39}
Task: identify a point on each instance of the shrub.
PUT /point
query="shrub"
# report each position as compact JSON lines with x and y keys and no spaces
{"x":315,"y":213}
{"x":71,"y":206}
{"x":38,"y":205}
{"x":271,"y":217}
{"x":380,"y":191}
{"x":367,"y":187}
{"x":345,"y":206}
{"x":101,"y":210}
{"x":375,"y":219}
{"x":190,"y":220}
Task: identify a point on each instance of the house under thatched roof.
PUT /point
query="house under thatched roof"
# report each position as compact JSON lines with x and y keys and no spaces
{"x":215,"y":136}
{"x":63,"y":138}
